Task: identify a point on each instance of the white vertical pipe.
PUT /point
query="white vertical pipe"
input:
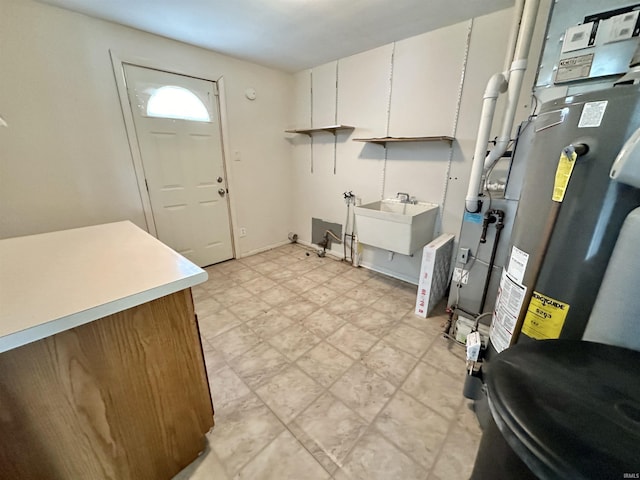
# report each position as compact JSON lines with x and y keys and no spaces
{"x":497,"y":84}
{"x":513,"y":36}
{"x":516,"y":75}
{"x":514,"y":78}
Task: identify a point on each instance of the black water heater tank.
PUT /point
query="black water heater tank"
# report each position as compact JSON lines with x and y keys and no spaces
{"x":569,"y":216}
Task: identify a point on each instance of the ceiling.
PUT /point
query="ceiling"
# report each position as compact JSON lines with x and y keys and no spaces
{"x":290,"y":35}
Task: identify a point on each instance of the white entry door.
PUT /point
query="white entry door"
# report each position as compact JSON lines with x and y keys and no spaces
{"x":178,"y":131}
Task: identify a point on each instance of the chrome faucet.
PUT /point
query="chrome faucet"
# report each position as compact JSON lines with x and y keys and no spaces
{"x":403,"y":197}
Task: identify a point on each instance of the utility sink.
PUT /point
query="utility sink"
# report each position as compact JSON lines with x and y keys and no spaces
{"x":396,"y":226}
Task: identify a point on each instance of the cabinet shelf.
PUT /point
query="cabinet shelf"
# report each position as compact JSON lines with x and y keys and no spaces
{"x":330,"y":128}
{"x":384,"y":140}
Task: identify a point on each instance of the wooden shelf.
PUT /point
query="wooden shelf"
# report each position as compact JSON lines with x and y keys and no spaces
{"x":330,"y":128}
{"x":385,"y":140}
{"x":333,"y":129}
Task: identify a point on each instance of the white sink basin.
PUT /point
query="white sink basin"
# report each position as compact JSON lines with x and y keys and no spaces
{"x":395,"y":226}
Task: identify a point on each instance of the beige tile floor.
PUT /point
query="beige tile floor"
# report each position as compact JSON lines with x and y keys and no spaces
{"x":319,"y":370}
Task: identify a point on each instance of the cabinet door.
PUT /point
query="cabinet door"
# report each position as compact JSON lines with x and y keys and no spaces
{"x":123,"y":397}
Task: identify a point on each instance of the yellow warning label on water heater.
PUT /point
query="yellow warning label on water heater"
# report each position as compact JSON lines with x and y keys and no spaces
{"x":545,"y":317}
{"x":563,"y":174}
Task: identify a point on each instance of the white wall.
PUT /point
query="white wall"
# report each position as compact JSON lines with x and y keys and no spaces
{"x":430,"y":84}
{"x":65,"y":159}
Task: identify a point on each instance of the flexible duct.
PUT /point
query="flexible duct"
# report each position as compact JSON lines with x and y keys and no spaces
{"x":513,"y":78}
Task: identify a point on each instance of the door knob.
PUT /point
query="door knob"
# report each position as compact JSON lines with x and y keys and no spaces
{"x":219,"y":179}
{"x":221,"y":191}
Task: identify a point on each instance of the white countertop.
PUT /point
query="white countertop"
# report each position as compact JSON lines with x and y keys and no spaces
{"x":56,"y":281}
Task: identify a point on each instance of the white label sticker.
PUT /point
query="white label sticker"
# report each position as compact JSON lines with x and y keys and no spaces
{"x":621,"y":26}
{"x":574,"y":68}
{"x":460,"y":275}
{"x":508,"y":304}
{"x":518,"y":264}
{"x":592,"y":114}
{"x":577,"y":37}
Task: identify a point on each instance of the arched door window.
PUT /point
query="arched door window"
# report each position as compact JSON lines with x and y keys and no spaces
{"x":177,"y":102}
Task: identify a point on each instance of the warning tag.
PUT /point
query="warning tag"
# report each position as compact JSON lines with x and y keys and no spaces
{"x":510,"y":298}
{"x":545,"y":317}
{"x":563,"y":173}
{"x":518,"y":264}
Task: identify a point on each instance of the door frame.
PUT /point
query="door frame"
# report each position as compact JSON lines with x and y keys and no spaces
{"x":118,"y":61}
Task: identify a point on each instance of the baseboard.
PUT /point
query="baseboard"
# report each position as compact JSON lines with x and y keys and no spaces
{"x":262,"y":249}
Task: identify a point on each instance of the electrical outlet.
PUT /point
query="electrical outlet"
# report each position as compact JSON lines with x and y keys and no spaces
{"x":243,"y":232}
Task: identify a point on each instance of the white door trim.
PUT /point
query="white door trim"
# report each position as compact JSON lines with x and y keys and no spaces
{"x":226,"y":147}
{"x":117,"y":62}
{"x":121,"y":86}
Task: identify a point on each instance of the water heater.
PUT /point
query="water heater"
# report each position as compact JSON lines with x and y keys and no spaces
{"x":569,"y":216}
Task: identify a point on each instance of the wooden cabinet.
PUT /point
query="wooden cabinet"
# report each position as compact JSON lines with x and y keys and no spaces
{"x":122,"y":397}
